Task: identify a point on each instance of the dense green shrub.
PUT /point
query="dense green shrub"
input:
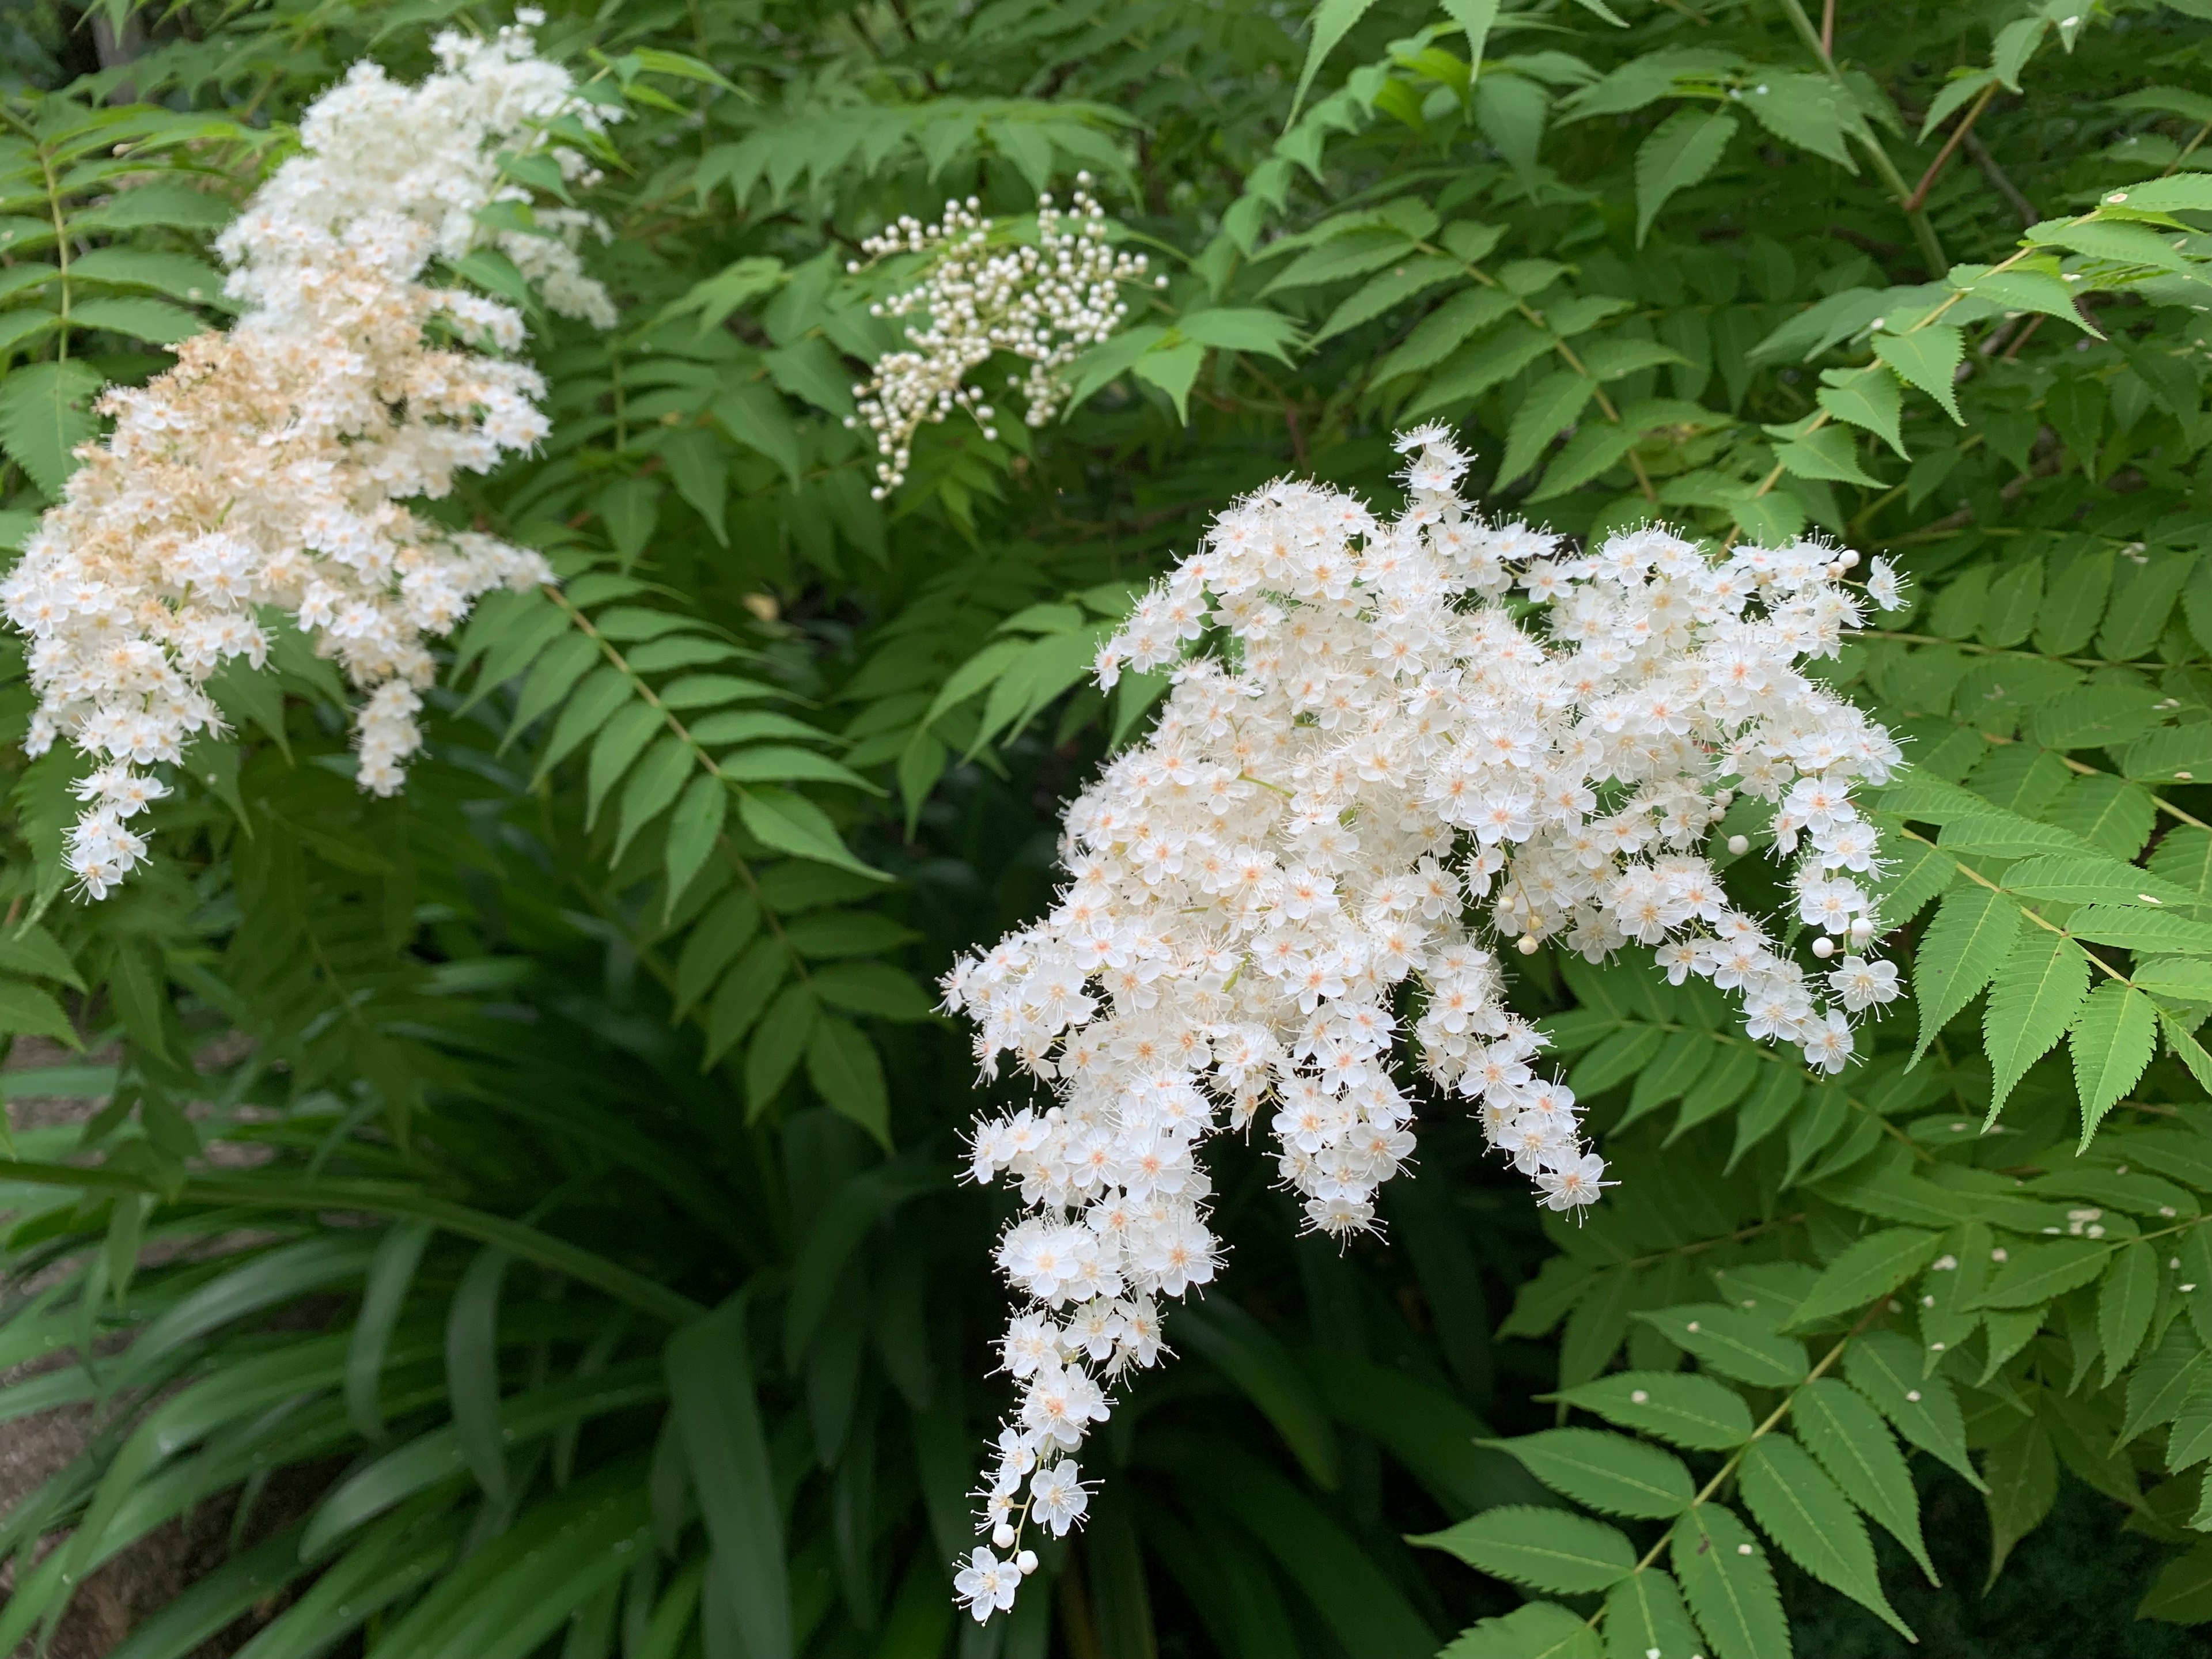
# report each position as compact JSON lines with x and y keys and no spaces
{"x":569,"y":1192}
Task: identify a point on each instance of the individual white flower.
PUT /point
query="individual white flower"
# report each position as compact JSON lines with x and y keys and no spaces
{"x":1860,"y":984}
{"x":1426,"y":737}
{"x":1057,"y":1499}
{"x":267,"y":468}
{"x":986,"y":1584}
{"x":1883,"y":586}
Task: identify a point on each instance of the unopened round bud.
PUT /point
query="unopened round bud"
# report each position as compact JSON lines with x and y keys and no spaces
{"x":1027,"y":1562}
{"x":1848,"y":559}
{"x":1526,"y":944}
{"x":1739,"y":845}
{"x":1002,"y":1536}
{"x":1862,"y":930}
{"x":1824,"y":947}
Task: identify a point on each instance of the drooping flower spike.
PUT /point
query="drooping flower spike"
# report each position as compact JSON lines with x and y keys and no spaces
{"x":1422,"y":741}
{"x":267,"y":468}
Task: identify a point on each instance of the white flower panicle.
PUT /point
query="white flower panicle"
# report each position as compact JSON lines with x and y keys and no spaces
{"x":1421,"y":737}
{"x":1046,"y":302}
{"x":268,"y":467}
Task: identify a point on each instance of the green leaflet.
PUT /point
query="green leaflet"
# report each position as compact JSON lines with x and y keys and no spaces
{"x":1735,"y":1343}
{"x":1801,"y":1509}
{"x":1872,"y":1267}
{"x":1680,"y":151}
{"x":1852,"y":1444}
{"x":2112,"y":1038}
{"x":1970,"y":939}
{"x":1609,"y":1472}
{"x":1729,"y":1587}
{"x":2034,"y":999}
{"x":1549,"y":1549}
{"x":1884,"y":1366}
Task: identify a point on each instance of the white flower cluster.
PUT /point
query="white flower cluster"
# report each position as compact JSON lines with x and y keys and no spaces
{"x":266,"y":470}
{"x":1418,"y":737}
{"x":1047,"y":302}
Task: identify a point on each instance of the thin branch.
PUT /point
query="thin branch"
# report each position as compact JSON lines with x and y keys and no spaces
{"x":1919,"y":197}
{"x":2001,"y":180}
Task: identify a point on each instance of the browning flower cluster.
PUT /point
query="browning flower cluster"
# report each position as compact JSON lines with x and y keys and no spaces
{"x":264,"y":475}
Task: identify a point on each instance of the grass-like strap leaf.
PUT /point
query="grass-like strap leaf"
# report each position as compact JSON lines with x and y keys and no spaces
{"x":1730,"y":1588}
{"x":1885,"y":1367}
{"x":2033,"y":1000}
{"x":1869,"y":1267}
{"x":472,"y":1380}
{"x":1732,"y":1342}
{"x":1801,"y":1511}
{"x":2124,"y":1304}
{"x":431,"y":1459}
{"x":510,"y":1595}
{"x":1252,"y":1357}
{"x":1549,"y":1549}
{"x":1609,"y":1472}
{"x":384,"y":1294}
{"x":1681,"y":1407}
{"x":1969,"y":940}
{"x":2113,"y":1037}
{"x":1363,"y":1608}
{"x":710,"y":1386}
{"x":265,"y":1280}
{"x":1427,"y":1430}
{"x":1851,"y":1442}
{"x":215,"y":1599}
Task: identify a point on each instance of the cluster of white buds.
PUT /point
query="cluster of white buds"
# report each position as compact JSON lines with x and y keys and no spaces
{"x":265,"y":471}
{"x":1418,"y":739}
{"x":1046,"y":302}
